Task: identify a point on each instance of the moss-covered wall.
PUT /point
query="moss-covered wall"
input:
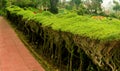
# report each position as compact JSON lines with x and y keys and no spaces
{"x":67,"y":51}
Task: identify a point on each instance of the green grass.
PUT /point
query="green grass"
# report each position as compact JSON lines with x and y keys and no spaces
{"x":105,"y":29}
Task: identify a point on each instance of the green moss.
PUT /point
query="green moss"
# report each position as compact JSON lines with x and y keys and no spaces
{"x":103,"y":29}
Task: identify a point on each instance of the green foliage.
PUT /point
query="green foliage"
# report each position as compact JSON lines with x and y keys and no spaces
{"x":3,"y":4}
{"x":70,"y":15}
{"x":13,"y":9}
{"x":102,"y":29}
{"x":53,"y":6}
{"x":1,"y":12}
{"x":33,"y":9}
{"x":63,"y":11}
{"x":23,"y":3}
{"x":94,"y":6}
{"x":114,"y":15}
{"x":82,"y":10}
{"x":117,"y":6}
{"x":77,"y":3}
{"x":68,"y":7}
{"x":46,"y":13}
{"x":54,"y":10}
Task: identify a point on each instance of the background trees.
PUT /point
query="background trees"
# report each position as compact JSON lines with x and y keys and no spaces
{"x":77,"y":3}
{"x":96,"y":4}
{"x":117,"y":6}
{"x":92,"y":7}
{"x":3,"y":4}
{"x":53,"y":6}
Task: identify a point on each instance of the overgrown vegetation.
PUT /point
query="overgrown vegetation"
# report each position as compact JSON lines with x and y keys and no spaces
{"x":76,"y":35}
{"x":81,"y":7}
{"x":70,"y":41}
{"x":94,"y":27}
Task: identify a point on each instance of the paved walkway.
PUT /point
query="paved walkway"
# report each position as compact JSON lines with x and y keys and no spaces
{"x":13,"y":54}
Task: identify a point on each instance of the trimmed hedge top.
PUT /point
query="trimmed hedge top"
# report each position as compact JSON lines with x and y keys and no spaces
{"x":104,"y":29}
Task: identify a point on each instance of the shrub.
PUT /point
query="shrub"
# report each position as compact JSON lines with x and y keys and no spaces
{"x":72,"y":37}
{"x":54,"y":10}
{"x":82,"y":10}
{"x":68,"y":7}
{"x":46,"y":13}
{"x":82,"y":25}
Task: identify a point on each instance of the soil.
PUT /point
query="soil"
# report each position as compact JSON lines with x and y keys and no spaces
{"x":14,"y":56}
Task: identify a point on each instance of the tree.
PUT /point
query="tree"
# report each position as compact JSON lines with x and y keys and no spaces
{"x":3,"y":3}
{"x":94,"y":6}
{"x":35,"y":3}
{"x":117,"y":6}
{"x":62,"y":3}
{"x":22,"y":3}
{"x":25,"y":3}
{"x":77,"y":3}
{"x":53,"y":6}
{"x":97,"y":5}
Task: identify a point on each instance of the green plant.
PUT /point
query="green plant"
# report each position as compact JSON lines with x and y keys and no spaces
{"x":70,"y":37}
{"x":102,"y":29}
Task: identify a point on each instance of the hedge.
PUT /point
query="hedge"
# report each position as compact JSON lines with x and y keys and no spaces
{"x":72,"y":42}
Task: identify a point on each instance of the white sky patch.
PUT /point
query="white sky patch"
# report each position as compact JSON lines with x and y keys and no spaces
{"x":108,"y":4}
{"x":67,"y":0}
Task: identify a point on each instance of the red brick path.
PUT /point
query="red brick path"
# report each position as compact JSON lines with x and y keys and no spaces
{"x":13,"y":54}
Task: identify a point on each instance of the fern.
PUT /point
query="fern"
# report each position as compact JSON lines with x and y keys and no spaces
{"x":105,"y":29}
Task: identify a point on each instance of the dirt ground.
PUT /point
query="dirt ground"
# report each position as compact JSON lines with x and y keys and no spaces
{"x":13,"y":54}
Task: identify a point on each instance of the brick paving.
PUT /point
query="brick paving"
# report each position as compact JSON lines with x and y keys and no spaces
{"x":13,"y":54}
